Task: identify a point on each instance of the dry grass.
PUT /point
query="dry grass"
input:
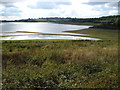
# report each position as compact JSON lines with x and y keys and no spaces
{"x":60,"y":64}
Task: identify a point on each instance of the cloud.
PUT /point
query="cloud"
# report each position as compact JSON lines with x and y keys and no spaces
{"x":111,"y":4}
{"x":13,"y":9}
{"x":104,"y":8}
{"x":12,"y":1}
{"x":100,"y":0}
{"x":48,"y":5}
{"x":9,"y":9}
{"x":43,"y":5}
{"x":114,"y":4}
{"x":7,"y":4}
{"x":95,"y":3}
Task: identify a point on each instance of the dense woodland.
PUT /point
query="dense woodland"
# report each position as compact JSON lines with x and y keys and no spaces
{"x":107,"y":22}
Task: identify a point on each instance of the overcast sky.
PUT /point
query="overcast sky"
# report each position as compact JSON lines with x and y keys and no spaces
{"x":21,"y":9}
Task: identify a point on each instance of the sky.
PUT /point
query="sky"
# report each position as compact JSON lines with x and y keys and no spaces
{"x":23,"y":9}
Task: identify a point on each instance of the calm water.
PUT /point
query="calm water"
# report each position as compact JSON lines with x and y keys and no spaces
{"x":10,"y":31}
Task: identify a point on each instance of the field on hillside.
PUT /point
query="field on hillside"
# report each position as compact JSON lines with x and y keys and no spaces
{"x":60,"y":64}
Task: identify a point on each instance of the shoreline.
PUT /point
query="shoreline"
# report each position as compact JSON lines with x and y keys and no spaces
{"x":98,"y":33}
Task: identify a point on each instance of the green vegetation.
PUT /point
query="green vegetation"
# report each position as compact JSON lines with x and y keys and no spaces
{"x":60,"y":64}
{"x":111,"y":23}
{"x":107,"y":34}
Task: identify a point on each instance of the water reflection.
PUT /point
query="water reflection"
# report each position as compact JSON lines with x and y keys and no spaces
{"x":23,"y":31}
{"x":47,"y":37}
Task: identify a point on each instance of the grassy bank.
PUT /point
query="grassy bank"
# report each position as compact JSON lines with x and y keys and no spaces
{"x":71,"y":23}
{"x":60,"y":64}
{"x":106,"y":34}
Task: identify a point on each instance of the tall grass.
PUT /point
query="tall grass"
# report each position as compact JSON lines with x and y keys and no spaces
{"x":60,"y":64}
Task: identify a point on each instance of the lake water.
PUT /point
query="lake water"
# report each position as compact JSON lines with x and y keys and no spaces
{"x":41,"y":30}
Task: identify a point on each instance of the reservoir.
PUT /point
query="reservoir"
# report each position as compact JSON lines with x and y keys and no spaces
{"x":40,"y":30}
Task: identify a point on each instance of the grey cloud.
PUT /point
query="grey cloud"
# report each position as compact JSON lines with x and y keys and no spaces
{"x":110,"y":4}
{"x":64,"y":3}
{"x":106,"y":8}
{"x":102,"y":8}
{"x":95,"y":3}
{"x":12,"y":1}
{"x":10,"y":9}
{"x":43,"y":5}
{"x":113,"y":4}
{"x":8,"y":4}
{"x":11,"y":12}
{"x":48,"y":5}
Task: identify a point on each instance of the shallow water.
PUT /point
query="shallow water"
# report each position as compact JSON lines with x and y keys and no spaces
{"x":23,"y":31}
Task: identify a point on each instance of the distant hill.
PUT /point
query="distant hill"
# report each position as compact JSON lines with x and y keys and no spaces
{"x":110,"y":22}
{"x":107,"y":22}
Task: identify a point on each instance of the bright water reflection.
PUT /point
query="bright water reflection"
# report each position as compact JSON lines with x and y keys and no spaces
{"x":10,"y":31}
